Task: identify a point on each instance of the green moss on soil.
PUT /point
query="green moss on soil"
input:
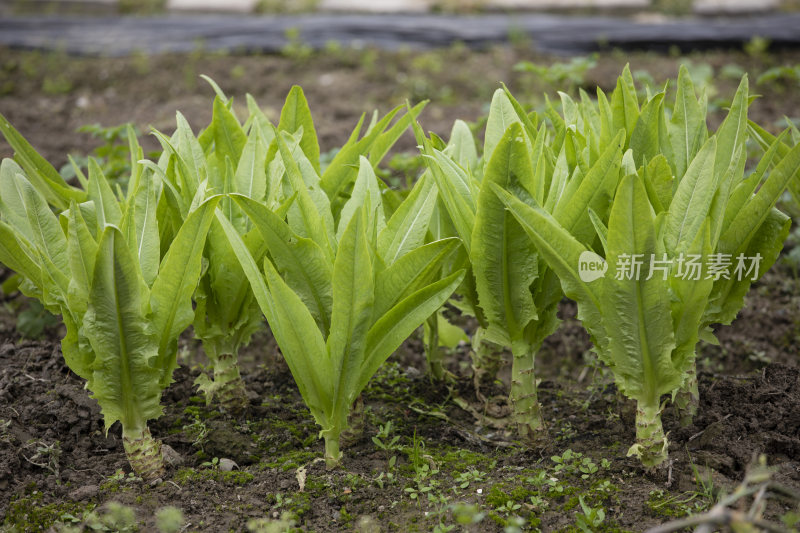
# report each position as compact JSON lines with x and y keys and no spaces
{"x":186,"y":476}
{"x":28,"y":513}
{"x":289,"y":460}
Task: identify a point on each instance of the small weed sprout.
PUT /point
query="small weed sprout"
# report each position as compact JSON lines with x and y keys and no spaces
{"x":509,"y":507}
{"x":44,"y":455}
{"x":591,"y":518}
{"x":470,"y":476}
{"x":384,"y":440}
{"x":198,"y":431}
{"x":213,"y":464}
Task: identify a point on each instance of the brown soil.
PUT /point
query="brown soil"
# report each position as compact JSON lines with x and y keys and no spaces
{"x":56,"y":461}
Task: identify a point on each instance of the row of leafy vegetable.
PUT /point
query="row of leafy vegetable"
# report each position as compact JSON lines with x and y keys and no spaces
{"x":243,"y":220}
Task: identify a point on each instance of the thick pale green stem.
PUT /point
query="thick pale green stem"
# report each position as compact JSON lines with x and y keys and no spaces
{"x":227,"y":386}
{"x":433,"y":353}
{"x":486,"y":356}
{"x":524,"y":398}
{"x":651,"y":442}
{"x":332,"y":454}
{"x":687,"y":399}
{"x":230,"y":388}
{"x":144,"y":453}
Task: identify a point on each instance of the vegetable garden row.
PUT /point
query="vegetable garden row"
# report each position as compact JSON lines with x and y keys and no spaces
{"x":655,"y":225}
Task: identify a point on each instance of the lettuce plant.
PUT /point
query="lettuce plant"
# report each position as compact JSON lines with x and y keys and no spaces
{"x":341,"y":288}
{"x":223,"y":159}
{"x":682,"y":213}
{"x":234,"y":158}
{"x":99,"y":265}
{"x":515,"y":295}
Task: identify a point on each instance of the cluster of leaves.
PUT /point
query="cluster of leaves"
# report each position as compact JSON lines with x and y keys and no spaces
{"x":346,"y":277}
{"x":345,"y":284}
{"x":99,"y":264}
{"x":678,"y":191}
{"x":246,"y":216}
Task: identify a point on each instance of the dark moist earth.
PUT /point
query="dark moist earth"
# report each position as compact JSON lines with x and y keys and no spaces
{"x":448,"y":457}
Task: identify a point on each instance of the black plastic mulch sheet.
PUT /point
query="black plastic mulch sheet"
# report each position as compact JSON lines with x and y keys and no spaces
{"x":115,"y":36}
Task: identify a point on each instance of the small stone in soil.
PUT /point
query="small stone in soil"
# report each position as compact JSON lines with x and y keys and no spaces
{"x":171,"y":457}
{"x":227,"y":465}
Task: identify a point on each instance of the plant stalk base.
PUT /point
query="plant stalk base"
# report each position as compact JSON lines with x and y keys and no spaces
{"x":687,"y":399}
{"x":231,"y":392}
{"x":651,"y":442}
{"x":333,"y":456}
{"x":524,"y":396}
{"x":144,"y":455}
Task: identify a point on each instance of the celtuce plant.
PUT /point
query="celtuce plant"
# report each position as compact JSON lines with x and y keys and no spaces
{"x":515,"y":295}
{"x":223,"y":159}
{"x":341,"y":296}
{"x":684,"y":199}
{"x":231,"y":158}
{"x":100,"y":266}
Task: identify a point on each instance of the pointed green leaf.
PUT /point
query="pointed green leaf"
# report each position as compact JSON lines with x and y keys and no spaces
{"x":692,"y":200}
{"x":82,"y":251}
{"x":384,"y":142}
{"x":462,"y":145}
{"x":759,"y":206}
{"x":389,"y":331}
{"x":594,"y":190}
{"x":687,"y":127}
{"x":171,"y":295}
{"x":124,"y":381}
{"x":624,"y":104}
{"x":16,"y":254}
{"x":100,"y":192}
{"x":311,"y":220}
{"x":301,"y":261}
{"x":408,"y":225}
{"x":366,"y":186}
{"x":251,"y":174}
{"x":410,"y":273}
{"x":353,"y":298}
{"x":229,"y":137}
{"x":40,"y":173}
{"x":503,"y":258}
{"x":296,"y":115}
{"x":562,"y":253}
{"x":501,"y":115}
{"x":636,"y":310}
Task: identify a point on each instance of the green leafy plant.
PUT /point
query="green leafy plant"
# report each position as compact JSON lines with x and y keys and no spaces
{"x":234,"y":158}
{"x":223,"y":159}
{"x":511,"y":291}
{"x":342,"y":286}
{"x":592,"y":517}
{"x":684,"y":193}
{"x":99,"y":265}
